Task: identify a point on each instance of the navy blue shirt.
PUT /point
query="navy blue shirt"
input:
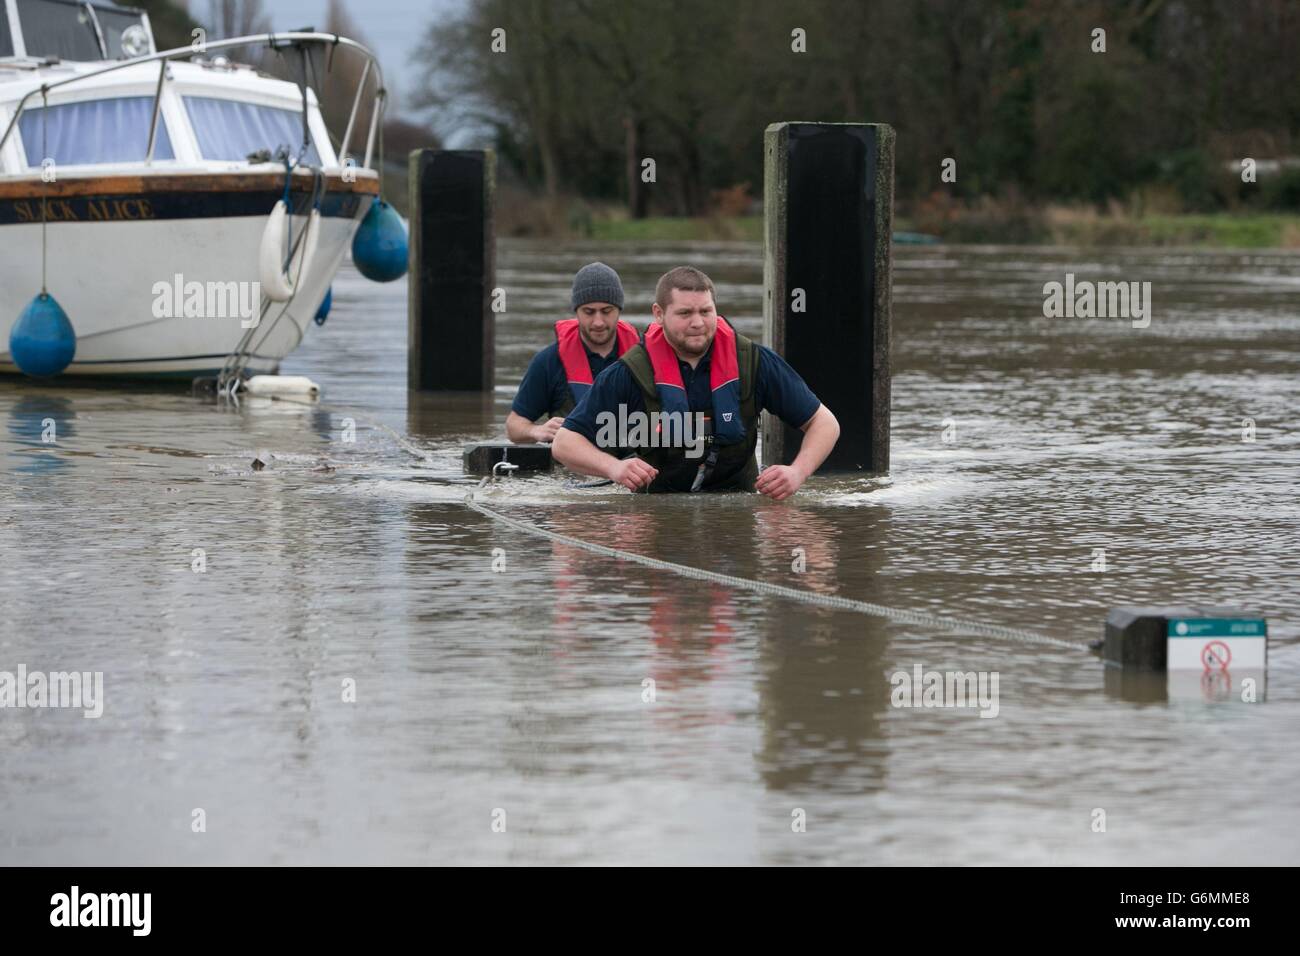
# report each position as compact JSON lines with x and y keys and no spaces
{"x":546,"y":386}
{"x":779,"y":390}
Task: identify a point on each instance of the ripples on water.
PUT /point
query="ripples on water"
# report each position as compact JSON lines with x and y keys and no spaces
{"x":522,"y":689}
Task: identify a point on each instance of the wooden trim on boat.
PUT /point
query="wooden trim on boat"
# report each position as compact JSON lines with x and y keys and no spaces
{"x":113,"y":185}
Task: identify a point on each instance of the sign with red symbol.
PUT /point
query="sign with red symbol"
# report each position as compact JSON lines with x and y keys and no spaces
{"x":1213,"y":644}
{"x":1216,"y":656}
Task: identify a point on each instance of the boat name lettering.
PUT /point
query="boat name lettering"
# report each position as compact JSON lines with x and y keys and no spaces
{"x":94,"y":210}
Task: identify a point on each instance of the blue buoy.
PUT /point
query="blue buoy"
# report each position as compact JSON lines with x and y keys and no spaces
{"x":323,"y":312}
{"x":379,"y":247}
{"x":42,"y":341}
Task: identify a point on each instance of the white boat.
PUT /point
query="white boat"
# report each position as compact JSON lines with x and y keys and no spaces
{"x":154,"y":176}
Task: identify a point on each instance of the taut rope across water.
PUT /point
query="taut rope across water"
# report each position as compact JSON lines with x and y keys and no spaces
{"x":938,"y":622}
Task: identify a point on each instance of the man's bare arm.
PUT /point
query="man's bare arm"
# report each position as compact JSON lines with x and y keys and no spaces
{"x":820,"y":433}
{"x":575,"y":452}
{"x":523,"y":432}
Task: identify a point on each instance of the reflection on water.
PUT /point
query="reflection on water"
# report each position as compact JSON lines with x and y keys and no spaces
{"x":619,"y":714}
{"x":36,"y":422}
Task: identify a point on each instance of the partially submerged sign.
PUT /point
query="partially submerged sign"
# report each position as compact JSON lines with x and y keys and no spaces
{"x":1177,"y":638}
{"x":1210,"y":644}
{"x":1209,"y":653}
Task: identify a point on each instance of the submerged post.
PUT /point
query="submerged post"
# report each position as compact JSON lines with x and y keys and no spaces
{"x":829,"y":206}
{"x":1202,"y":639}
{"x":450,"y":337}
{"x":1185,"y":653}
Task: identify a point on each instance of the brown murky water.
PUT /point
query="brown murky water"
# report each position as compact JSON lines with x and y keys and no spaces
{"x":521,"y":690}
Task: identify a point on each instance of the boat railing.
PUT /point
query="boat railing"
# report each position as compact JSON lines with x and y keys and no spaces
{"x":274,"y":41}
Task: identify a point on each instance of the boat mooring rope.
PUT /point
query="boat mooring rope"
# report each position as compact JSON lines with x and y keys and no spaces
{"x":938,"y":622}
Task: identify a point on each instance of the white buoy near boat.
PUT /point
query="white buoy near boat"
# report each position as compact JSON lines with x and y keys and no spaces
{"x":281,"y":386}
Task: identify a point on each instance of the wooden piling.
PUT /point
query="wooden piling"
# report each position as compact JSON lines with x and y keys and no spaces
{"x":828,"y":201}
{"x":450,"y":327}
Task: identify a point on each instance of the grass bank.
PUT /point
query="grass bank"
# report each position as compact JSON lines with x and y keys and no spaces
{"x":1250,"y":231}
{"x":1055,"y":226}
{"x":988,"y":221}
{"x":666,"y":228}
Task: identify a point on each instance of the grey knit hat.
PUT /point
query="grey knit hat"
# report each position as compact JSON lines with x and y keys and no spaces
{"x":597,"y":282}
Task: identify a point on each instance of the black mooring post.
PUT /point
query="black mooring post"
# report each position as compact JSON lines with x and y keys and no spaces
{"x":829,"y":205}
{"x":450,"y":339}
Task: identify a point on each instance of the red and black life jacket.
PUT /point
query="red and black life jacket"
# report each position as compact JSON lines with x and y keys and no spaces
{"x":732,"y":428}
{"x":573,"y":356}
{"x":724,"y":380}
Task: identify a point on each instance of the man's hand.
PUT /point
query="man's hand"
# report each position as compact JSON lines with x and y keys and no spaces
{"x":633,"y":474}
{"x":820,"y":433}
{"x":545,"y":432}
{"x":779,"y":482}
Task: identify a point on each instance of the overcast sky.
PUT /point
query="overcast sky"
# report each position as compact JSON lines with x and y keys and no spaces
{"x":394,"y":29}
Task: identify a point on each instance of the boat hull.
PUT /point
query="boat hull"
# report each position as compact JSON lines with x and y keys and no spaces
{"x":127,"y":257}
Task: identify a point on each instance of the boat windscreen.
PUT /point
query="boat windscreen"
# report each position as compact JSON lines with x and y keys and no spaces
{"x":93,"y":132}
{"x":57,"y":28}
{"x":234,"y":130}
{"x":6,"y":41}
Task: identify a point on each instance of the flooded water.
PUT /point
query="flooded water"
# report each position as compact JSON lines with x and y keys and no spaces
{"x":518,"y":695}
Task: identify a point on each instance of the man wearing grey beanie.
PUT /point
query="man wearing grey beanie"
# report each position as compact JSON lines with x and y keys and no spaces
{"x":585,"y":345}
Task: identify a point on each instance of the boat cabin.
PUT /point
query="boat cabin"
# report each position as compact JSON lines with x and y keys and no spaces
{"x":212,"y":114}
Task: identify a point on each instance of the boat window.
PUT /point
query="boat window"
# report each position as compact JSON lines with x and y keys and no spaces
{"x":94,"y":131}
{"x":234,"y":130}
{"x":58,"y":28}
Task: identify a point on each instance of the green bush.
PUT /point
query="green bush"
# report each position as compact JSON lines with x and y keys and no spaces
{"x":1281,"y":190}
{"x":1197,"y":178}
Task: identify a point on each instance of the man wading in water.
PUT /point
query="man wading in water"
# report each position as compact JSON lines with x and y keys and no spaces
{"x":693,"y":361}
{"x":585,"y":345}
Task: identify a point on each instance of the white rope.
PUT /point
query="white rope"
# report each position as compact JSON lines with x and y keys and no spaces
{"x":920,"y":618}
